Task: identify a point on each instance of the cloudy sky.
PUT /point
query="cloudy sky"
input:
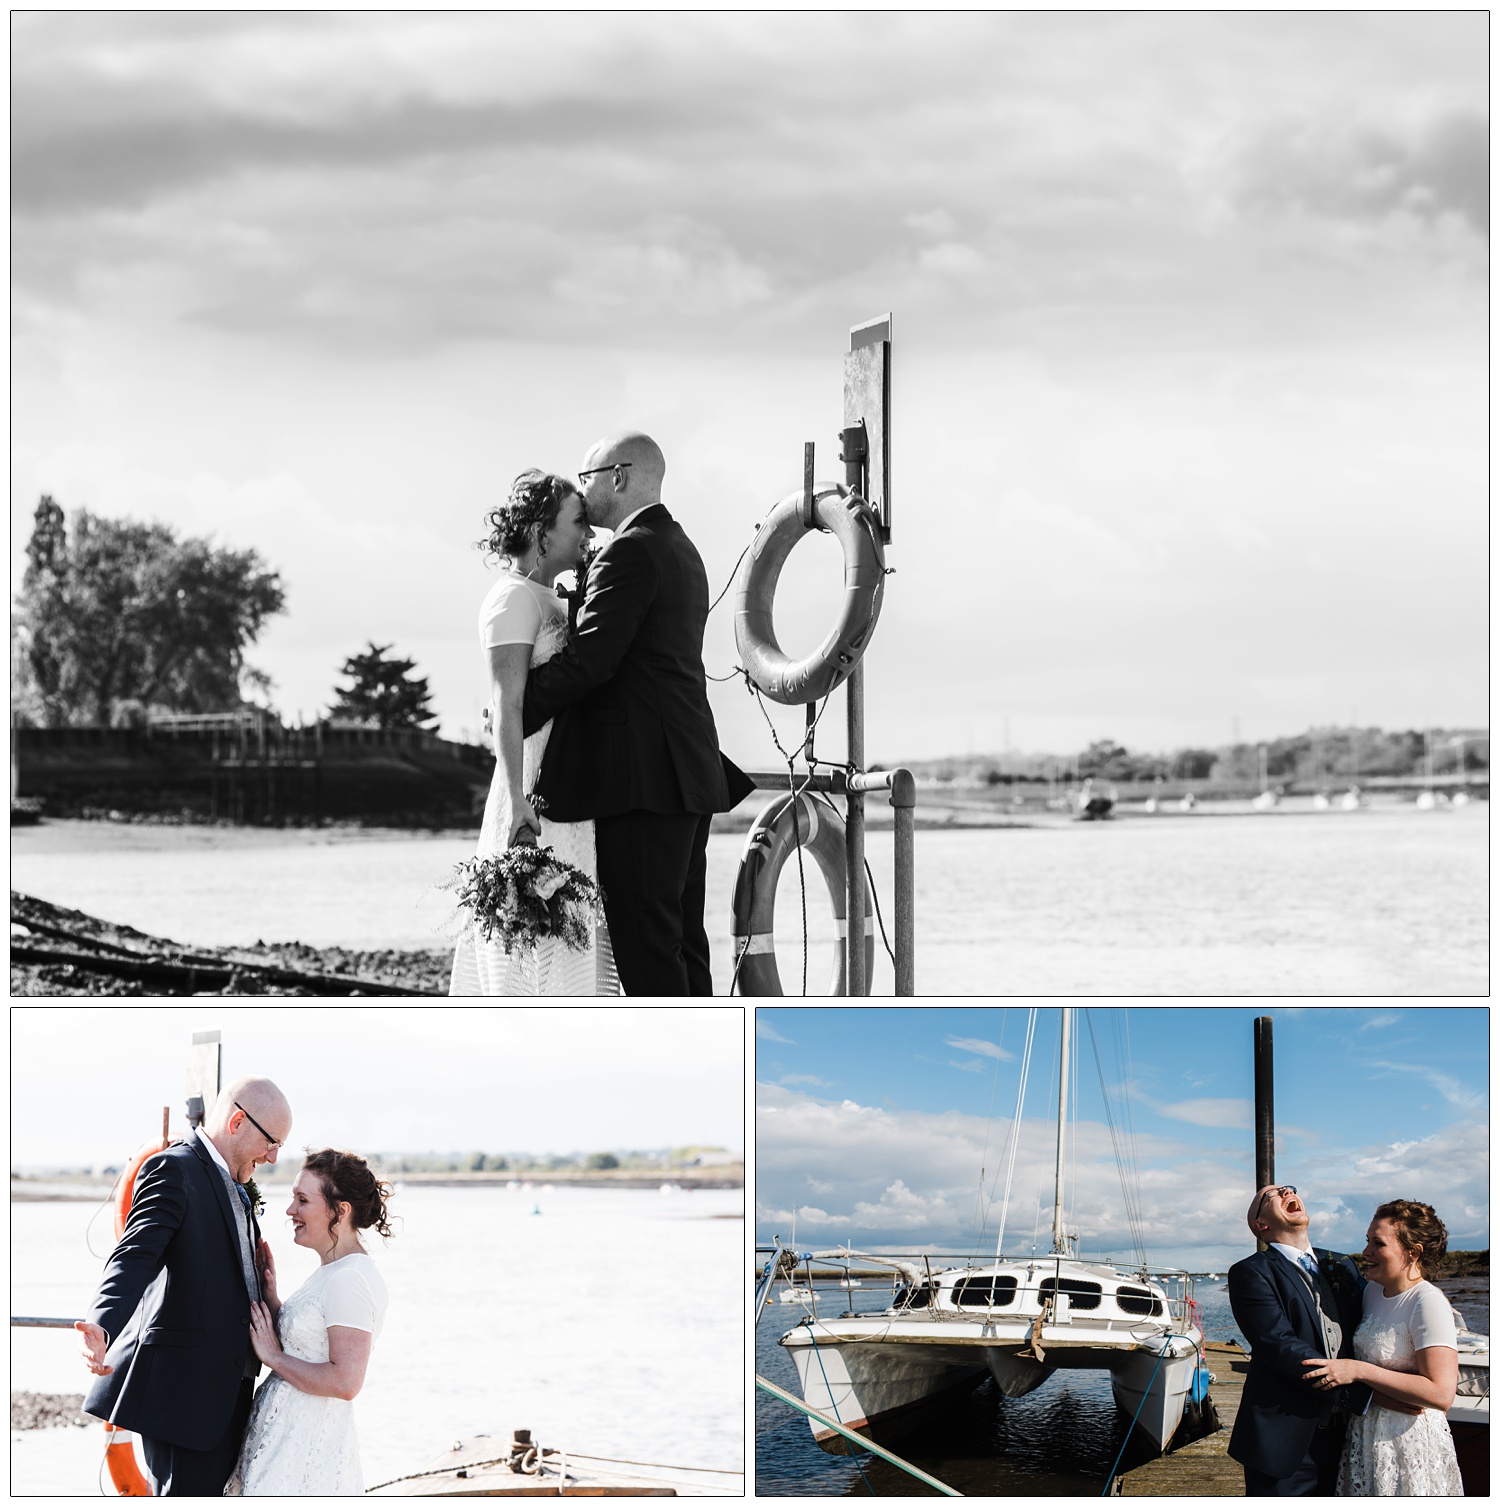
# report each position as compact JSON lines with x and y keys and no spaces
{"x":1189,"y":314}
{"x":89,"y":1085}
{"x":874,"y":1124}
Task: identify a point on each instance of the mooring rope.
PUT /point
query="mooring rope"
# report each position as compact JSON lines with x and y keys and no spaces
{"x":1126,"y":1440}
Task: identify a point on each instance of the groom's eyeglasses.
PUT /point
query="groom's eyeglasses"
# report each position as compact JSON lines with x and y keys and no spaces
{"x":619,"y":465}
{"x":1269,"y":1191}
{"x":256,"y":1123}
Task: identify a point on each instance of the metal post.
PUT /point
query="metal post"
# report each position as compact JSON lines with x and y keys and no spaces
{"x":1265,"y":1112}
{"x":854,"y":841}
{"x":904,"y":800}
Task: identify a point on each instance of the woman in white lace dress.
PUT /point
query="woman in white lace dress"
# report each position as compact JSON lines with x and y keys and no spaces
{"x":301,"y":1439}
{"x":1406,"y":1348}
{"x":537,"y":534}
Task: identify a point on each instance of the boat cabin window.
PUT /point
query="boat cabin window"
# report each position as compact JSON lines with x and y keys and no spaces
{"x":908,"y":1297}
{"x":984,"y":1292}
{"x":1137,"y":1300}
{"x":1081,"y":1295}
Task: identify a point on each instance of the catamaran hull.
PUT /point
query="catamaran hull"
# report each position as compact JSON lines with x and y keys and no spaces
{"x":885,"y":1388}
{"x":880,"y":1389}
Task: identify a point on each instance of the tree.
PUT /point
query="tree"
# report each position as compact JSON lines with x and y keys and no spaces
{"x":381,"y":693}
{"x":114,"y":611}
{"x":602,"y":1161}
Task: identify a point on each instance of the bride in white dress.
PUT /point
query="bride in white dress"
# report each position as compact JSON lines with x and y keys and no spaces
{"x":1406,"y":1349}
{"x":301,"y":1439}
{"x":539,"y":533}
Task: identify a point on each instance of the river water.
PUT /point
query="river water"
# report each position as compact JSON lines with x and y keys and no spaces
{"x":1385,"y":901}
{"x":606,"y":1321}
{"x":1061,"y":1440}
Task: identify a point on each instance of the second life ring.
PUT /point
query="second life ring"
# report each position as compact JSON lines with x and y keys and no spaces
{"x":124,"y":1469}
{"x":119,"y":1451}
{"x":772,"y":839}
{"x":851,"y":520}
{"x":126,"y":1192}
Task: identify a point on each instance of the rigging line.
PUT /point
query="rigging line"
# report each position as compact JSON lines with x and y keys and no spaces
{"x":732,"y":574}
{"x":875,"y":896}
{"x":1015,"y":1127}
{"x":981,"y":1214}
{"x":1122,"y":1157}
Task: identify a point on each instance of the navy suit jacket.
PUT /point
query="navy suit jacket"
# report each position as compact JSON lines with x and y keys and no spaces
{"x":174,"y":1305}
{"x":1274,"y":1309}
{"x":632,"y":727}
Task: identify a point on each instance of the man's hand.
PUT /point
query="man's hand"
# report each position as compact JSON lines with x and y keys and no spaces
{"x":95,"y":1343}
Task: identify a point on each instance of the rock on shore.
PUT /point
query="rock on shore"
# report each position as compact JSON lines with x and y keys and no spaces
{"x":47,"y":1410}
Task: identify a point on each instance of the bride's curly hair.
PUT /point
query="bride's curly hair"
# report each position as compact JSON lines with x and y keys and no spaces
{"x":536,"y":498}
{"x":346,"y":1178}
{"x":1419,"y":1231}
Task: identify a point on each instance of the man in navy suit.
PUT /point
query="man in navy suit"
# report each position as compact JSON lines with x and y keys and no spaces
{"x":168,"y":1333}
{"x":633,"y":747}
{"x":1293,"y":1303}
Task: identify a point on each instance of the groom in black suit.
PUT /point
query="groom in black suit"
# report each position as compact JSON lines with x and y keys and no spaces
{"x":1293,"y":1303}
{"x":168,"y":1333}
{"x":633,"y":747}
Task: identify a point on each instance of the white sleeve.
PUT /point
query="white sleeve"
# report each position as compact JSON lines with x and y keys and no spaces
{"x":513,"y":616}
{"x":350,"y":1300}
{"x":1432,"y":1320}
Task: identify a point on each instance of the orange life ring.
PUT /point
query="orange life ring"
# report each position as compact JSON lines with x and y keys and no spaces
{"x":773,"y":837}
{"x":851,"y":520}
{"x":119,"y":1452}
{"x":119,"y":1456}
{"x":147,"y":1150}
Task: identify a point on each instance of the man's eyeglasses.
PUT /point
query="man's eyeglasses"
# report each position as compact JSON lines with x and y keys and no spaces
{"x":1264,"y":1196}
{"x":619,"y":465}
{"x":275,"y":1144}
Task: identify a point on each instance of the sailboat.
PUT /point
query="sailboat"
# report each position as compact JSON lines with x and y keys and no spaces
{"x":1018,"y":1321}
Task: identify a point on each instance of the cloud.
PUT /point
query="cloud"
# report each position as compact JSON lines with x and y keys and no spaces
{"x":1220,"y":1114}
{"x":1380,"y":1022}
{"x":1454,"y":1092}
{"x":980,"y":1047}
{"x":810,"y":1079}
{"x":904,"y":1179}
{"x":765,"y":1031}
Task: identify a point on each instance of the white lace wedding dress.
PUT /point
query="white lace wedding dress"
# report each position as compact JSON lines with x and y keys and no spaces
{"x":298,"y":1445}
{"x":518,"y":609}
{"x":1391,"y":1454}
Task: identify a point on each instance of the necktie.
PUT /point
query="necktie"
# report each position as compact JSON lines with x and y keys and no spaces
{"x":244,"y":1193}
{"x":1305,"y":1261}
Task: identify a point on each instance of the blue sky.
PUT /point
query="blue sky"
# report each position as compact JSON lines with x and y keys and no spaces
{"x":874,"y":1123}
{"x":1190,"y":376}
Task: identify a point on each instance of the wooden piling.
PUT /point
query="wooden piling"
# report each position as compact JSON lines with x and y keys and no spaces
{"x":1203,"y":1468}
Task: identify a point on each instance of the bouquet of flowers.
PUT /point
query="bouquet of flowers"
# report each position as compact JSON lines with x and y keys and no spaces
{"x":525,"y":895}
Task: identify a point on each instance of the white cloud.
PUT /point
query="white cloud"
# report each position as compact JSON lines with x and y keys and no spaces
{"x":980,"y":1047}
{"x":765,"y":1031}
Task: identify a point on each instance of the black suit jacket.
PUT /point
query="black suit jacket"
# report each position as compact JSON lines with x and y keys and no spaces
{"x":174,"y":1305}
{"x":1274,"y":1309}
{"x":632,"y":728}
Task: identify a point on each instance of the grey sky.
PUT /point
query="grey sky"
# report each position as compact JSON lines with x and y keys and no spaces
{"x":1190,"y":330}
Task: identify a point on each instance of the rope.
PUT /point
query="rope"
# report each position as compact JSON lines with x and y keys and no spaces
{"x":1126,"y":1440}
{"x":833,"y":1406}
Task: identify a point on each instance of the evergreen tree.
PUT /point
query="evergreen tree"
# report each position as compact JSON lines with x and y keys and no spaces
{"x":383,"y":691}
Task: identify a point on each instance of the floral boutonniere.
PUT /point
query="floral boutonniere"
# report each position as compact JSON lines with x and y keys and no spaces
{"x":257,"y":1199}
{"x":1335,"y":1268}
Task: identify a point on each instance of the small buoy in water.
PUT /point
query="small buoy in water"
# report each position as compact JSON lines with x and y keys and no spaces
{"x":536,"y":1208}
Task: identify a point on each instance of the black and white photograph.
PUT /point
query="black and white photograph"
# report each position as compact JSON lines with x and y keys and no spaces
{"x":667,"y":504}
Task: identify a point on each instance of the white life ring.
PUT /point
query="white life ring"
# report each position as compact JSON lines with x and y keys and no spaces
{"x":772,"y":839}
{"x":851,"y":520}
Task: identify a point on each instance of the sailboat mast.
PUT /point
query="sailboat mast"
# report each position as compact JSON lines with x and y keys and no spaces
{"x":1059,"y":1239}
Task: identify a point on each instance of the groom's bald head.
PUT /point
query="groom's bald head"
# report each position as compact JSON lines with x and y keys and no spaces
{"x":628,"y":468}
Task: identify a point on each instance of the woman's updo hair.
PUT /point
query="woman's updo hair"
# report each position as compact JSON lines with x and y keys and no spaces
{"x":536,"y":498}
{"x":346,"y":1179}
{"x":1423,"y":1236}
